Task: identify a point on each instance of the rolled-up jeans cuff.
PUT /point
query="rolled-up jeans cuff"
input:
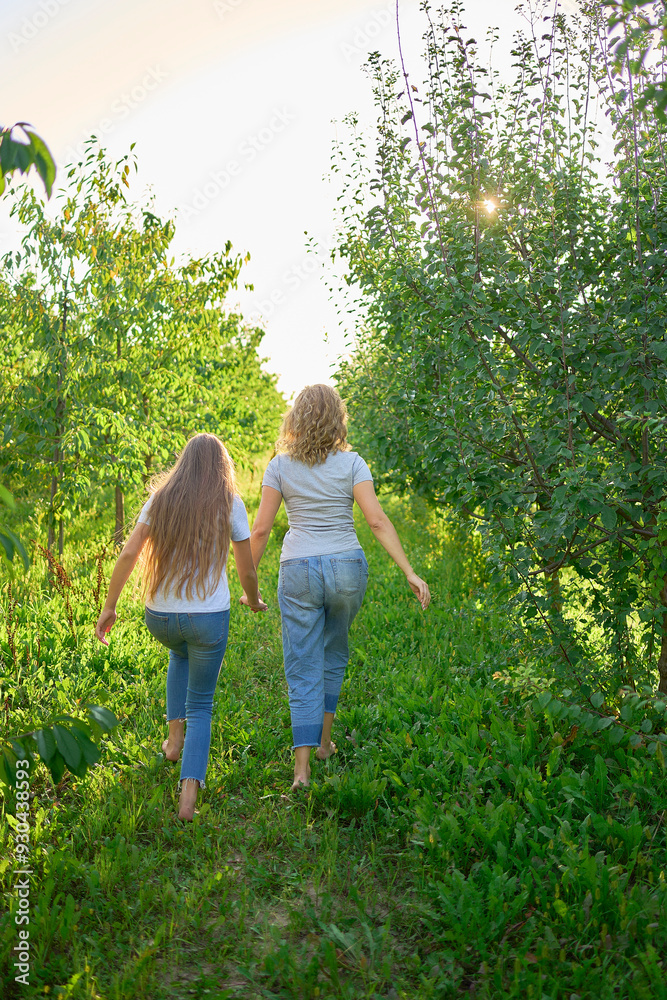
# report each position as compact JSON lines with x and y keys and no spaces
{"x":330,"y":703}
{"x":306,"y":736}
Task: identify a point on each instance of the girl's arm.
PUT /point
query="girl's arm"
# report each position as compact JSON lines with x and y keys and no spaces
{"x":261,"y":529}
{"x":245,"y":568}
{"x":266,"y":515}
{"x":385,"y":532}
{"x":121,"y":573}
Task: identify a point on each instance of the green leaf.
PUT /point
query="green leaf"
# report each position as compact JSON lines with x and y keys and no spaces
{"x":91,"y":753}
{"x":7,"y":498}
{"x":43,"y":161}
{"x":9,"y":764}
{"x":4,"y":773}
{"x":46,"y":744}
{"x":12,"y":545}
{"x":608,"y":516}
{"x":67,"y":746}
{"x":7,"y":152}
{"x":56,"y":766}
{"x":7,"y":544}
{"x":102,"y":716}
{"x":20,"y":749}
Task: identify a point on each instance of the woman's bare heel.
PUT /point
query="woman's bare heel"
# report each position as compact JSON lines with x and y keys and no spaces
{"x":188,"y":798}
{"x":324,"y":752}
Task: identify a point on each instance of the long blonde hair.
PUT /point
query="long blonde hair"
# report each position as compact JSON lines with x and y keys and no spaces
{"x":316,"y":426}
{"x":190,"y":515}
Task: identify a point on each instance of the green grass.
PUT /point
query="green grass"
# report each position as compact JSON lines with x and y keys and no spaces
{"x":469,"y":838}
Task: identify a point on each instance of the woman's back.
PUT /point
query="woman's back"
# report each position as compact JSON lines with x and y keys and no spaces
{"x":319,"y":500}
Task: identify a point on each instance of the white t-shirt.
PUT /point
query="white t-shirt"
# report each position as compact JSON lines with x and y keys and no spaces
{"x":217,"y":590}
{"x":319,"y":500}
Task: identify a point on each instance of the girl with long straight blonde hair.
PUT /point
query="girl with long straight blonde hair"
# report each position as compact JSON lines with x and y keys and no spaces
{"x":323,"y":570}
{"x":185,"y":530}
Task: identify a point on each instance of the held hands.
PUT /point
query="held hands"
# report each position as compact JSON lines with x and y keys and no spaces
{"x":104,"y":625}
{"x":260,"y":606}
{"x":420,"y":589}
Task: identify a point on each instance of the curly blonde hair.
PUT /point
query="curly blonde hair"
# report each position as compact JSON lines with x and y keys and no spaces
{"x":315,"y":427}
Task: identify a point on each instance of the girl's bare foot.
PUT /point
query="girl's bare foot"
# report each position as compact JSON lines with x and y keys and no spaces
{"x":301,"y":768}
{"x":325,"y":751}
{"x":300,"y":781}
{"x":172,"y":752}
{"x":188,"y":799}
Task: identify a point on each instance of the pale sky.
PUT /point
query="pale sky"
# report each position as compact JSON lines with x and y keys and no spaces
{"x":233,"y":105}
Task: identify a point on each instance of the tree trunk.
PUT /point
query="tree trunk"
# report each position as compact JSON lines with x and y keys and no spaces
{"x":58,"y":464}
{"x":662,"y":659}
{"x":552,"y":581}
{"x":148,"y":462}
{"x":119,"y":533}
{"x":52,"y":531}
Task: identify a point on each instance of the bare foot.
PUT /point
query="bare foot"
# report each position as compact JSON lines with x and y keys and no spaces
{"x":300,"y":782}
{"x":188,"y":799}
{"x":301,"y":776}
{"x":325,"y":751}
{"x":172,"y":751}
{"x":301,"y":768}
{"x":173,"y":744}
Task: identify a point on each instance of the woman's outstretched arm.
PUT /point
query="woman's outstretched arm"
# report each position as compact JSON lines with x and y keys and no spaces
{"x":385,"y":532}
{"x":125,"y":563}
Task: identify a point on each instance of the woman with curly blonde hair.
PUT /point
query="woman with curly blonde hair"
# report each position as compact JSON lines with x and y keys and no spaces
{"x":323,"y":570}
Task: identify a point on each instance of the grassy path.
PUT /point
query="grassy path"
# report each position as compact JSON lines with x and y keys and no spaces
{"x":457,"y":845}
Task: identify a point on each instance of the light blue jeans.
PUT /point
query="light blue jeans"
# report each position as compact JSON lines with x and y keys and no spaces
{"x":197,"y":644}
{"x":318,"y":597}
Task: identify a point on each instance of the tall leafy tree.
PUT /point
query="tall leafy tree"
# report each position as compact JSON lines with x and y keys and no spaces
{"x":513,"y":362}
{"x":66,"y":743}
{"x":19,"y":155}
{"x":638,"y":39}
{"x":116,"y":352}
